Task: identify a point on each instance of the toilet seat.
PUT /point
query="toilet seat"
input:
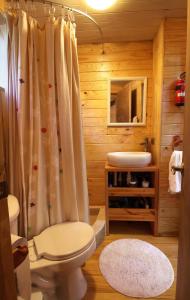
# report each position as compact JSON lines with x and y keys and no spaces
{"x":63,"y":241}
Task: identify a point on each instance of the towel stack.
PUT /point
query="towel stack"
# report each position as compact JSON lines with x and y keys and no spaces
{"x":175,"y":178}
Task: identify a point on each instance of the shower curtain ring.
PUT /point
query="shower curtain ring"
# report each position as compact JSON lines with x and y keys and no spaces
{"x":52,"y":13}
{"x":63,"y":10}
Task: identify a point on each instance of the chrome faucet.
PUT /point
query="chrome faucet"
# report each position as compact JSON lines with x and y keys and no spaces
{"x":147,"y":144}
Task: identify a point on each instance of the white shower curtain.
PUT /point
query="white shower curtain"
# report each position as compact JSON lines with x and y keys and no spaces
{"x":47,"y":168}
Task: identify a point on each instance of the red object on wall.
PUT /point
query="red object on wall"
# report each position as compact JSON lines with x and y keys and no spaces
{"x":180,"y":92}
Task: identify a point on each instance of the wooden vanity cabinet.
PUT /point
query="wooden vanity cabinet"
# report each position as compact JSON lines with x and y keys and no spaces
{"x":123,"y":213}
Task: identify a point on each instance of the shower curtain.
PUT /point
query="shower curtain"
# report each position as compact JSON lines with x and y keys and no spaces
{"x":46,"y":163}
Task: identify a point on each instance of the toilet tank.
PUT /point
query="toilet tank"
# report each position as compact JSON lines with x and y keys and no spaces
{"x":13,"y":207}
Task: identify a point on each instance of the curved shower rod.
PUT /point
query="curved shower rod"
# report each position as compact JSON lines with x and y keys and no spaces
{"x":78,"y":11}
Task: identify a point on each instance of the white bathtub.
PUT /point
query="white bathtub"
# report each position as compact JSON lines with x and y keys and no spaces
{"x":97,"y":220}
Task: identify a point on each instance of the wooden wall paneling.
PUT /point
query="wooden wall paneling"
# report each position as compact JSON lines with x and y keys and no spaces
{"x":172,"y":119}
{"x":158,"y":60}
{"x":129,"y":59}
{"x":120,"y":60}
{"x":2,"y":4}
{"x":114,"y":48}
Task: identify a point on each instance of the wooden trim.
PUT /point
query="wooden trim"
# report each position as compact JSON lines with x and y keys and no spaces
{"x":7,"y":281}
{"x":133,"y":192}
{"x":131,"y":214}
{"x":151,"y":168}
{"x":106,"y":202}
{"x":183,"y":274}
{"x":156,"y":201}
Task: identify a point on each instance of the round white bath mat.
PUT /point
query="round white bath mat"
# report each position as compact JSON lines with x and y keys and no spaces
{"x":136,"y":268}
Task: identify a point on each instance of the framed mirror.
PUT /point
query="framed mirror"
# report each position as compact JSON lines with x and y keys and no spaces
{"x":127,"y":101}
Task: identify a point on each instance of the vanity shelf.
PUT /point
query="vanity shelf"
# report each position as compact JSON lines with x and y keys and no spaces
{"x":132,"y":214}
{"x":132,"y":194}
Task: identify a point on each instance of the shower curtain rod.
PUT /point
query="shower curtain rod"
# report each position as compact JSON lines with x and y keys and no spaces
{"x":78,"y":11}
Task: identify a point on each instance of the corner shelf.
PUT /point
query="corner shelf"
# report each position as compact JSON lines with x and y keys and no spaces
{"x":133,"y":214}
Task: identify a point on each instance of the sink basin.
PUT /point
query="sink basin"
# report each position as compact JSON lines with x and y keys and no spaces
{"x":129,"y":159}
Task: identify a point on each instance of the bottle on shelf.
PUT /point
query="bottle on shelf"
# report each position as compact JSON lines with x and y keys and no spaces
{"x":115,"y":180}
{"x":123,"y":179}
{"x":126,"y":201}
{"x":110,"y":179}
{"x":146,"y":203}
{"x":119,"y":179}
{"x":128,"y":178}
{"x":145,"y":183}
{"x":133,"y":182}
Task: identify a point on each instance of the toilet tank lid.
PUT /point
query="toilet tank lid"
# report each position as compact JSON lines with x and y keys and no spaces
{"x":13,"y":207}
{"x":63,"y":241}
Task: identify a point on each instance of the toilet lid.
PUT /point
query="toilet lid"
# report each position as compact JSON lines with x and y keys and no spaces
{"x":63,"y":241}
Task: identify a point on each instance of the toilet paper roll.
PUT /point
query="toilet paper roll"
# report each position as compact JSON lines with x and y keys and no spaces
{"x":22,"y":266}
{"x":17,"y":241}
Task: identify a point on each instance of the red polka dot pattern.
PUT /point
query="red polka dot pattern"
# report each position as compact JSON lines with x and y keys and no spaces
{"x":43,"y":130}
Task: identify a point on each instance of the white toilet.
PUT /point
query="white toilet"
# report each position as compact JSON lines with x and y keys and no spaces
{"x":14,"y":209}
{"x":56,"y":256}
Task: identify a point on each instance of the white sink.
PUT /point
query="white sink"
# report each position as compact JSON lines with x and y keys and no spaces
{"x":129,"y":159}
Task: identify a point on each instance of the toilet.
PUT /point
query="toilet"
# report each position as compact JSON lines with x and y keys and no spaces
{"x":14,"y":209}
{"x":56,"y":256}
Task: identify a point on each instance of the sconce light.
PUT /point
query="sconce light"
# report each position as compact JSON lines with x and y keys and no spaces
{"x":100,"y":4}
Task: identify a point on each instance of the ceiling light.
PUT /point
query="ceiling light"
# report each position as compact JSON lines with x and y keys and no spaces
{"x":100,"y":4}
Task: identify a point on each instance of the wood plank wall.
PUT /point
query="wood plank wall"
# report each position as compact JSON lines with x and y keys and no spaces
{"x":134,"y":59}
{"x":119,"y":60}
{"x":158,"y":61}
{"x":172,"y":119}
{"x":2,"y":3}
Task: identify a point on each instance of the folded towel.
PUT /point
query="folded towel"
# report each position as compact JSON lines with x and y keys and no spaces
{"x":22,"y":266}
{"x":175,"y":178}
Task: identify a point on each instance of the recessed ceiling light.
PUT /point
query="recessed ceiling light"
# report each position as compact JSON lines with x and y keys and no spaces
{"x":100,"y":4}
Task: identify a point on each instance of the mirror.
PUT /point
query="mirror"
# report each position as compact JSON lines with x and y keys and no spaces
{"x":127,"y":101}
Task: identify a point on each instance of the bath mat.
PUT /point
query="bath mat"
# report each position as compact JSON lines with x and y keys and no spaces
{"x":136,"y":268}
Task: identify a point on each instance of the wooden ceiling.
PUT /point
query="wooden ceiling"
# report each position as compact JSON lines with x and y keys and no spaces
{"x":127,"y":20}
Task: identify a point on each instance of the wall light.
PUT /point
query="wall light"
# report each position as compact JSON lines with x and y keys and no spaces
{"x":100,"y":4}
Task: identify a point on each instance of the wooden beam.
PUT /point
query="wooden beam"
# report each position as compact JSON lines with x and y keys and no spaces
{"x":7,"y":279}
{"x":183,"y":274}
{"x":1,"y":4}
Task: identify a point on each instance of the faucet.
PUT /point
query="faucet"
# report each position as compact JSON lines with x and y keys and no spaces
{"x":147,"y":144}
